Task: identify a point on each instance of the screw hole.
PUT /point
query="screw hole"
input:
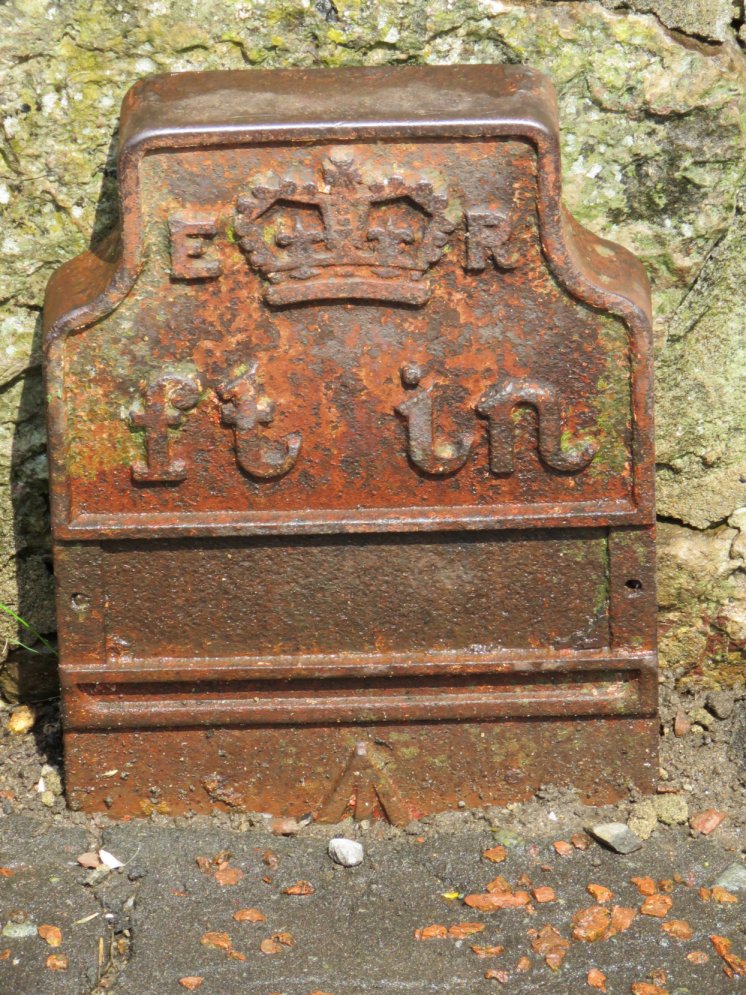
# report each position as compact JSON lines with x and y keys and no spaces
{"x":633,"y":584}
{"x":80,"y":602}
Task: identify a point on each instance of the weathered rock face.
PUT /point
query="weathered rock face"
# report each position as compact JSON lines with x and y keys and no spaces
{"x":710,"y":20}
{"x":654,"y":122}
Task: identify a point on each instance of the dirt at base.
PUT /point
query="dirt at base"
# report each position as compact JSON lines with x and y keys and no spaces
{"x":704,"y":768}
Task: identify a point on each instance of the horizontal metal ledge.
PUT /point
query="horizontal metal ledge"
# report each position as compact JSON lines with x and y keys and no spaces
{"x":287,"y":667}
{"x":300,"y":691}
{"x":241,"y":523}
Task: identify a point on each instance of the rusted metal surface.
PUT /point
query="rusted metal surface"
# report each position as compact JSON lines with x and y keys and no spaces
{"x":351,"y":447}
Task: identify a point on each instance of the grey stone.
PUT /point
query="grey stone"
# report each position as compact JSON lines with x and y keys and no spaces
{"x":721,"y":703}
{"x":97,"y":875}
{"x":616,"y":835}
{"x":733,"y":878}
{"x":19,"y":930}
{"x":701,"y":409}
{"x":738,"y":737}
{"x":348,"y":853}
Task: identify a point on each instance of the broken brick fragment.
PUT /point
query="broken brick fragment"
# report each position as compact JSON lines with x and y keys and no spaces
{"x":57,"y":962}
{"x":646,"y":886}
{"x":600,"y":923}
{"x":487,"y":951}
{"x":706,"y":822}
{"x":681,"y":724}
{"x":551,"y":945}
{"x":220,"y":941}
{"x":697,"y":957}
{"x":656,"y":905}
{"x":496,"y":854}
{"x":591,"y":924}
{"x":678,"y":928}
{"x":249,"y":915}
{"x":600,"y":893}
{"x":227,"y":876}
{"x":490,"y":903}
{"x":52,"y":935}
{"x":299,"y":888}
{"x":498,"y":886}
{"x":622,"y":918}
{"x":717,"y":893}
{"x":275,"y":943}
{"x":461,"y":930}
{"x":723,"y":947}
{"x":544,"y":894}
{"x":433,"y":932}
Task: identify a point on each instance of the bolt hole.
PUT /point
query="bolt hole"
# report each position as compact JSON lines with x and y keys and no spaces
{"x":633,"y":585}
{"x":80,"y":602}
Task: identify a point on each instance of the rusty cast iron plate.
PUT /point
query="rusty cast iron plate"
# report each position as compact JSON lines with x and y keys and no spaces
{"x":351,"y":450}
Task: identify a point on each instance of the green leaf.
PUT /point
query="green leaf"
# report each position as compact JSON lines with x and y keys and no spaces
{"x":37,"y":635}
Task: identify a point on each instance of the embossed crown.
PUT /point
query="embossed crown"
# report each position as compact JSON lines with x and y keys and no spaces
{"x":346,"y":236}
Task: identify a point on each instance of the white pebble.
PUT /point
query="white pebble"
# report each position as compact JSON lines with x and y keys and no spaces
{"x":145,"y":65}
{"x":348,"y":853}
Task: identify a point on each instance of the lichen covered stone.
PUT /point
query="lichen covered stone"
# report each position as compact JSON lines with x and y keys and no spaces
{"x":710,"y":20}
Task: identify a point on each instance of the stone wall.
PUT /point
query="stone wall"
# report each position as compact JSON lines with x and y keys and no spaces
{"x":653,"y":106}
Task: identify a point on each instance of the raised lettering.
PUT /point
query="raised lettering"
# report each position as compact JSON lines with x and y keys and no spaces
{"x":489,"y":235}
{"x":435,"y":456}
{"x":497,"y":404}
{"x":246,"y":408}
{"x":193,"y":255}
{"x":164,"y":403}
